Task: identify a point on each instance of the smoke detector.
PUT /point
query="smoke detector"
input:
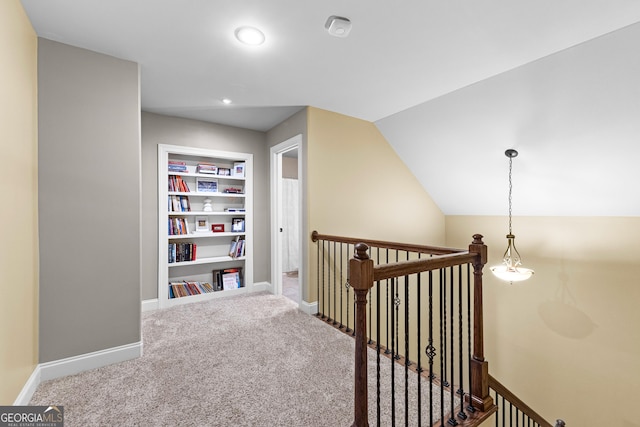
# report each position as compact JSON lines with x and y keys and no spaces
{"x":338,"y":26}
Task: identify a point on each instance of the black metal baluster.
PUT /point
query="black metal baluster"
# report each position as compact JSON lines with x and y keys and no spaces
{"x":347,"y":285}
{"x":324,"y":312}
{"x":396,"y":301}
{"x":418,"y":347}
{"x":470,"y":407}
{"x":462,"y":415}
{"x":378,"y":352}
{"x":452,"y":420}
{"x":443,"y":348}
{"x":406,"y":349}
{"x":503,"y":411}
{"x":510,"y":413}
{"x":335,"y":284}
{"x":318,"y":266}
{"x":388,"y":305}
{"x":370,"y":296}
{"x":496,"y":415}
{"x":393,"y":365}
{"x":430,"y":350}
{"x":443,"y":317}
{"x":341,"y":290}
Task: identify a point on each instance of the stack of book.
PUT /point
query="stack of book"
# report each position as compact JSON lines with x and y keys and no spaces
{"x":208,"y":168}
{"x":177,"y":166}
{"x":184,"y":289}
{"x":181,"y":252}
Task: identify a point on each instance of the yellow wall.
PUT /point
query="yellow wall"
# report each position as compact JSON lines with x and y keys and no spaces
{"x":19,"y":216}
{"x":358,"y":187}
{"x":566,"y":341}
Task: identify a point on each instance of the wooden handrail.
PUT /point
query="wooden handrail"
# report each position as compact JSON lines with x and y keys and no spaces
{"x":517,"y":402}
{"x":434,"y":250}
{"x":404,"y":268}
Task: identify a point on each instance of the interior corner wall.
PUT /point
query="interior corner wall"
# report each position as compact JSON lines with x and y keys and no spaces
{"x":358,"y":187}
{"x":294,"y":125}
{"x":89,"y":201}
{"x":19,"y":174}
{"x":569,"y":335}
{"x":160,"y":129}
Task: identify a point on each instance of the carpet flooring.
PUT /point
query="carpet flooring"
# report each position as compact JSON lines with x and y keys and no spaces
{"x":246,"y":360}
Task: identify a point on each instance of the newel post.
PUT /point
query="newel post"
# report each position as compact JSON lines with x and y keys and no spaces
{"x":361,"y":280}
{"x":479,"y":367}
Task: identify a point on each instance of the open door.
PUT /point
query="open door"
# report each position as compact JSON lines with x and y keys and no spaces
{"x":286,"y":225}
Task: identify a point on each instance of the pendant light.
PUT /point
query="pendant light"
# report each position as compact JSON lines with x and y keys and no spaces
{"x":511,"y":268}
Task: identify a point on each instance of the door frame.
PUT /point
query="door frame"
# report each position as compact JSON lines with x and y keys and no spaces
{"x":276,"y":153}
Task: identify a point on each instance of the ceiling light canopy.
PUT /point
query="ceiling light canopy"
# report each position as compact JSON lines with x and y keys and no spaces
{"x":250,"y":35}
{"x":511,"y":269}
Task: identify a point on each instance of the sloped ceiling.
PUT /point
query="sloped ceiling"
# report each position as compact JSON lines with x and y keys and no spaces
{"x":451,"y":84}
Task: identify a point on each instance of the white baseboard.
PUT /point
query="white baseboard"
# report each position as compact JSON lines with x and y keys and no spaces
{"x":29,"y":388}
{"x":309,"y":307}
{"x":97,"y":359}
{"x":150,"y":304}
{"x":262,"y":286}
{"x":75,"y":364}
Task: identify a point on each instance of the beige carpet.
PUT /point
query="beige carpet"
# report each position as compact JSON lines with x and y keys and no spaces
{"x":248,"y":360}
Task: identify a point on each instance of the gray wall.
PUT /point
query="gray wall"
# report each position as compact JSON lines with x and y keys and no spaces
{"x":159,"y":129}
{"x":89,"y":201}
{"x":294,"y":125}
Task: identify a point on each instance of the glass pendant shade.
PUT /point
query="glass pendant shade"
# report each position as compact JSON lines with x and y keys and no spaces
{"x":511,"y":270}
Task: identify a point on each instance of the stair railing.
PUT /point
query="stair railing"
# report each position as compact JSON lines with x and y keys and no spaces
{"x":441,"y":275}
{"x":512,"y":411}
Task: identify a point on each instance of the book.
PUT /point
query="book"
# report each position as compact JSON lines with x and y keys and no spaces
{"x":208,"y":168}
{"x":233,"y":246}
{"x":232,"y":278}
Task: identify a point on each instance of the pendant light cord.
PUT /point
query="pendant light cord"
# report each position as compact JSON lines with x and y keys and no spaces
{"x":510,"y":190}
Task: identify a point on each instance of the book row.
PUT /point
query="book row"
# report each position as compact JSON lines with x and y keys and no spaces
{"x":178,"y":226}
{"x":176,"y":183}
{"x":211,"y":169}
{"x":181,"y":252}
{"x":179,"y":204}
{"x":184,"y":289}
{"x":237,"y":171}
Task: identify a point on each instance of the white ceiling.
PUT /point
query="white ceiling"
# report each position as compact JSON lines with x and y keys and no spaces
{"x":394,"y":68}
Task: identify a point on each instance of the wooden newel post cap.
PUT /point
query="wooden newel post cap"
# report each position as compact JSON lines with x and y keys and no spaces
{"x":361,"y":251}
{"x":477,"y":239}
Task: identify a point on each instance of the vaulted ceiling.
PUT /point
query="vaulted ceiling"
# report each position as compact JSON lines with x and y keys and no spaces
{"x":450,"y":84}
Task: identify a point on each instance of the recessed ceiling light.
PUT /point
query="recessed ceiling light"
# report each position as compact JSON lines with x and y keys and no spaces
{"x":250,"y":35}
{"x":226,"y":101}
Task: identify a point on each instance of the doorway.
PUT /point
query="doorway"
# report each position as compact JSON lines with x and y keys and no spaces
{"x":286,"y":226}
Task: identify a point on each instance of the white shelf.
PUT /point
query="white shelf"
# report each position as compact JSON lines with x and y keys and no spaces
{"x":213,"y":260}
{"x":204,"y":235}
{"x":203,"y":194}
{"x":202,"y":213}
{"x":203,"y":297}
{"x":207,"y":175}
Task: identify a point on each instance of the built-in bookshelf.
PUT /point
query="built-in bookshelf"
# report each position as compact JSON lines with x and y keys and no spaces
{"x":205,"y":224}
